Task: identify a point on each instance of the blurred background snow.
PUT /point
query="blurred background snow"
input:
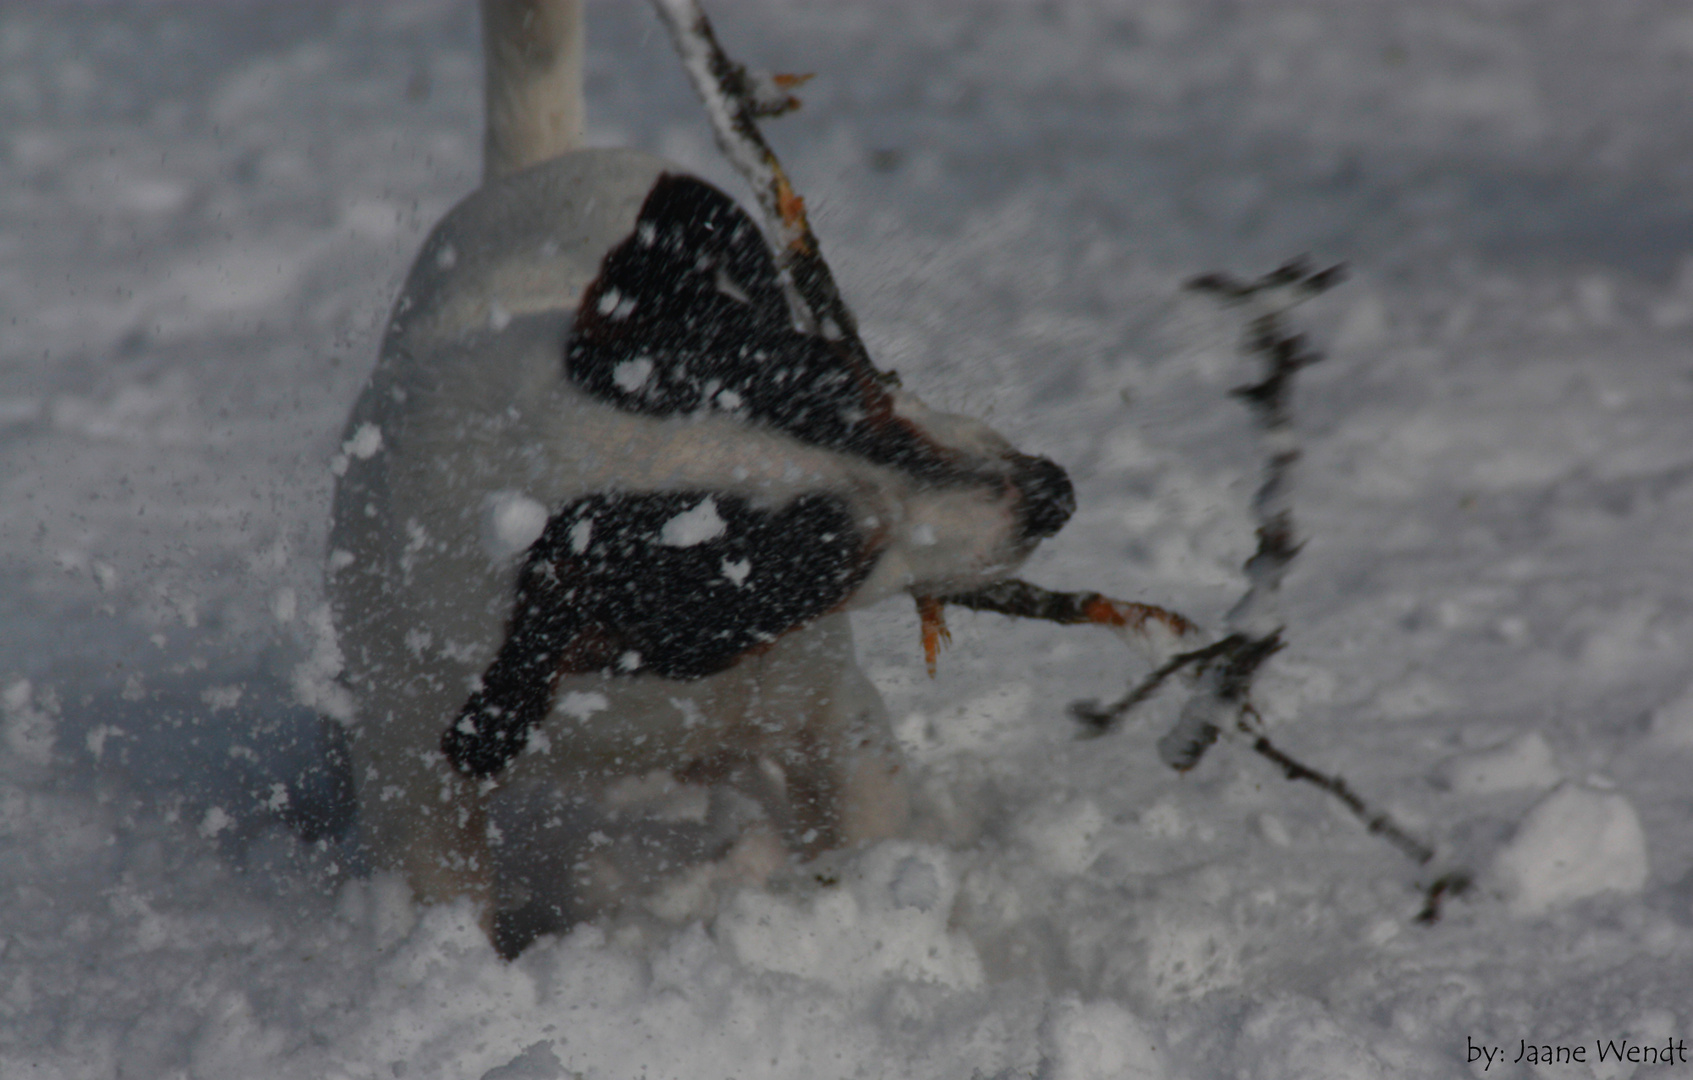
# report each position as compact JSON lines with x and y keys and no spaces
{"x":209,"y":207}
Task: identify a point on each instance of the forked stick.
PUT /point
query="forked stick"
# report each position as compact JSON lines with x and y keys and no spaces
{"x":734,"y":99}
{"x":1225,"y":670}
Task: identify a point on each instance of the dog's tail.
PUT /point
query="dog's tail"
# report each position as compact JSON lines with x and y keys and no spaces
{"x":532,"y":51}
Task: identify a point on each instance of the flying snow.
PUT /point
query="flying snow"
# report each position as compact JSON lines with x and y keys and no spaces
{"x":693,"y":526}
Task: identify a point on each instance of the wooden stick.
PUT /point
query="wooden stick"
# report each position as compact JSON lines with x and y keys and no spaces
{"x":734,"y":99}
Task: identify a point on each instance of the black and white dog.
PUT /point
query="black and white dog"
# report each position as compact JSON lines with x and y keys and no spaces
{"x":601,"y":513}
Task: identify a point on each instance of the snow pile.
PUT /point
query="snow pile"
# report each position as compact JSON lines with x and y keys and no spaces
{"x":1575,"y":843}
{"x":893,"y":924}
{"x":1098,"y":1041}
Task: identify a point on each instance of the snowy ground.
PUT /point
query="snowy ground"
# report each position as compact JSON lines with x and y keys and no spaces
{"x":208,"y":209}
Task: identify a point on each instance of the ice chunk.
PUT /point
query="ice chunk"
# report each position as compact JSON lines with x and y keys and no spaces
{"x":1574,"y":843}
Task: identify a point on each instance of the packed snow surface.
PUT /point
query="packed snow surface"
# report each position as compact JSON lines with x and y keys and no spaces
{"x":208,"y":210}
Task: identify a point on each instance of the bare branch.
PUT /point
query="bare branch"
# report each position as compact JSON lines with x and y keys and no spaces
{"x":1225,"y":670}
{"x":735,"y":99}
{"x":1254,"y":623}
{"x":1451,"y":883}
{"x":1097,"y":720}
{"x":1283,"y":355}
{"x":1378,"y":822}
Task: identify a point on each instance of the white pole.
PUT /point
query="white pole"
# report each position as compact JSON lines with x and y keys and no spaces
{"x":532,"y":50}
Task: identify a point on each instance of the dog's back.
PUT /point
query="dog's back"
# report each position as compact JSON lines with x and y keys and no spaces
{"x":430,"y":504}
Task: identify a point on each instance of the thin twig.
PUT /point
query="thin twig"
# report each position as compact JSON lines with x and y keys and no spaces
{"x":1283,"y":354}
{"x":1255,"y":620}
{"x":1253,"y":625}
{"x":1451,"y":883}
{"x":1225,"y":670}
{"x":1097,"y":720}
{"x":1379,"y":822}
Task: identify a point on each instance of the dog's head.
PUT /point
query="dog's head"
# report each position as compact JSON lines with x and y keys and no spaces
{"x":688,"y":318}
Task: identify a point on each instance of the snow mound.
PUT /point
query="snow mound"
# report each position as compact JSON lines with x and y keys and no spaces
{"x":537,"y":1062}
{"x":1063,"y":839}
{"x":1293,"y":1038}
{"x":1525,"y":763}
{"x":1097,"y":1040}
{"x":888,"y":919}
{"x":1573,"y":844}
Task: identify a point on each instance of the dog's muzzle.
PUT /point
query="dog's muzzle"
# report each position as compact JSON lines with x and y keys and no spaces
{"x":1048,"y":497}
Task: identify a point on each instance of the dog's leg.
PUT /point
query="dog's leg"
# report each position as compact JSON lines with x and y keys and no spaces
{"x":843,"y":774}
{"x":428,"y":822}
{"x":851,"y":788}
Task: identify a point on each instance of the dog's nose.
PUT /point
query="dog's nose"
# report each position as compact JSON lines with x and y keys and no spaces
{"x":1048,"y":499}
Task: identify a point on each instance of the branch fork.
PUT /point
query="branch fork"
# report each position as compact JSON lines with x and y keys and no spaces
{"x":1223,"y":670}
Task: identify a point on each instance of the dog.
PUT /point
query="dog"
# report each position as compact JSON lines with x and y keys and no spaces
{"x":600,"y":514}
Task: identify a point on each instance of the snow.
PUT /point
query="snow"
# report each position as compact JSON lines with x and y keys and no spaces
{"x":1573,"y":844}
{"x":737,"y":570}
{"x":693,"y":526}
{"x":580,"y":706}
{"x":631,"y":375}
{"x":511,"y":521}
{"x":1524,"y":763}
{"x":209,"y":209}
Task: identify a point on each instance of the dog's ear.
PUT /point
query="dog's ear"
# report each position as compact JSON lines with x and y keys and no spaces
{"x":688,"y":316}
{"x":694,"y":276}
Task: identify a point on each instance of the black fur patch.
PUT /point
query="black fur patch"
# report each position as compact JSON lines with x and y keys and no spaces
{"x":687,"y":315}
{"x":679,"y":584}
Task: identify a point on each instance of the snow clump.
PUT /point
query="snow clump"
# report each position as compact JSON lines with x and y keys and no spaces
{"x":1573,"y":844}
